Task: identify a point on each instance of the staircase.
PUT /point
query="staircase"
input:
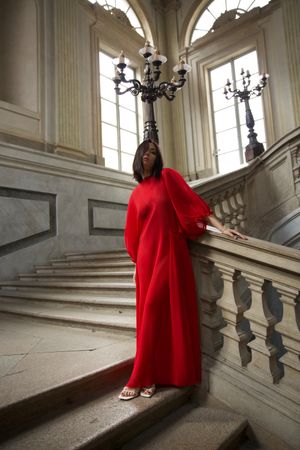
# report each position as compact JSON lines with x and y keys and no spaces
{"x":61,"y":391}
{"x":84,"y":290}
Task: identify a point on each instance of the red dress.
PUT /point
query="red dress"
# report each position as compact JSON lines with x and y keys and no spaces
{"x":162,"y":213}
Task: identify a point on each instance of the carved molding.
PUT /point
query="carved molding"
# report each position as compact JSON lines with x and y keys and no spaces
{"x":49,"y":199}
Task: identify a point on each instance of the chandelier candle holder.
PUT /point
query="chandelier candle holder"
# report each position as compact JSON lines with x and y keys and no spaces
{"x":254,"y":148}
{"x":150,"y":88}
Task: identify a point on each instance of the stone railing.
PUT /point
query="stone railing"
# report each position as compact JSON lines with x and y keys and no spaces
{"x":259,"y":195}
{"x":249,"y":297}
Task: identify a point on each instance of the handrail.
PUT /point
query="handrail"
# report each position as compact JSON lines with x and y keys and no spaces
{"x":255,"y":197}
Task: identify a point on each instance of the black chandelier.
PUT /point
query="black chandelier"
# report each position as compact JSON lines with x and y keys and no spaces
{"x":149,"y":88}
{"x":254,"y":148}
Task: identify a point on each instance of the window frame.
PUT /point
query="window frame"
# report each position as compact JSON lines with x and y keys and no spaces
{"x":236,"y":101}
{"x":117,"y":105}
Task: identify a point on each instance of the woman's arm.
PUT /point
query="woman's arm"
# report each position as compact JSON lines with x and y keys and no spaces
{"x":212,"y":220}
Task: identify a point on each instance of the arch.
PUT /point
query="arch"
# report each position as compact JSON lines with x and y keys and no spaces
{"x":138,"y":20}
{"x":217,"y":15}
{"x":190,"y":21}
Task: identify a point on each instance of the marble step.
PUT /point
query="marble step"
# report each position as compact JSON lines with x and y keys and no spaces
{"x":80,"y":267}
{"x":101,"y":257}
{"x":75,"y":316}
{"x":194,"y":427}
{"x":102,"y":288}
{"x":44,"y":367}
{"x":90,"y":302}
{"x":104,"y":422}
{"x":79,"y":276}
{"x":109,"y":253}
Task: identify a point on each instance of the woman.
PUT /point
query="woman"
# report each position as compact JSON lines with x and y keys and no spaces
{"x":162,"y":213}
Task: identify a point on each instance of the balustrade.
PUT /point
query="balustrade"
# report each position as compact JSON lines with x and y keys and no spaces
{"x":236,"y":283}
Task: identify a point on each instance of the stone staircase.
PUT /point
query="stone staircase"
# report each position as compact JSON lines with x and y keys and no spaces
{"x":55,"y":399}
{"x":86,"y":290}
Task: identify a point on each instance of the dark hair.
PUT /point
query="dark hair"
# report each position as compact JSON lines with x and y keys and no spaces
{"x":137,"y":165}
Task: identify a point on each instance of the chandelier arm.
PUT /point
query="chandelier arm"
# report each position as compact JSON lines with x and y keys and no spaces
{"x":169,"y":97}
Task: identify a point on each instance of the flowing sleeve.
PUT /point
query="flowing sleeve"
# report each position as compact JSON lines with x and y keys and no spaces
{"x":191,"y":210}
{"x":131,"y":235}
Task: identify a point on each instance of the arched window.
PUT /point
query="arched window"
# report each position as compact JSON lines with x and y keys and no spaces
{"x":123,"y":11}
{"x":220,"y":12}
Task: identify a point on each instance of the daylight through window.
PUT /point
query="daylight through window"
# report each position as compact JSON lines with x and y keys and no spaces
{"x":119,"y":119}
{"x":229,"y":118}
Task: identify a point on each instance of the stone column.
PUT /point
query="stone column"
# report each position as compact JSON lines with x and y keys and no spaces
{"x":291,"y":19}
{"x":67,"y":77}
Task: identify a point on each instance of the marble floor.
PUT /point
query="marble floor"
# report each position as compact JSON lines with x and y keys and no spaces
{"x":36,"y":356}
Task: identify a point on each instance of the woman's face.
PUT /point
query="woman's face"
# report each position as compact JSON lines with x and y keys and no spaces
{"x":149,"y":158}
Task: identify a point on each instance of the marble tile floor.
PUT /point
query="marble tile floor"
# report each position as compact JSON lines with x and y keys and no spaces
{"x":36,"y":356}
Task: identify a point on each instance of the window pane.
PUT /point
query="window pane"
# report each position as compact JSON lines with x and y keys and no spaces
{"x":198,"y":34}
{"x":109,"y":136}
{"x":229,"y":162}
{"x":128,"y":100}
{"x":123,"y":5}
{"x":132,"y":18}
{"x":245,"y":4}
{"x":225,"y":119}
{"x":127,"y":120}
{"x":206,"y":21}
{"x":232,"y":4}
{"x":227,"y":140}
{"x":108,"y":112}
{"x":219,"y":76}
{"x":247,"y":62}
{"x":106,"y":65}
{"x":126,"y":162}
{"x":217,"y":7}
{"x":220,"y":101}
{"x":107,"y":88}
{"x":128,"y":142}
{"x":111,"y":158}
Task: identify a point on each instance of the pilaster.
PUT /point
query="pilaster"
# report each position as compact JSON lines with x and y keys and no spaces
{"x":291,"y":19}
{"x":67,"y":78}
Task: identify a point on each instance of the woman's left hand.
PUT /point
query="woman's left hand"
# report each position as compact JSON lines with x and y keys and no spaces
{"x":233,"y":233}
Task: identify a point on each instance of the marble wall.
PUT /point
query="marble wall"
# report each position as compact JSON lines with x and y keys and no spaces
{"x":51,"y":205}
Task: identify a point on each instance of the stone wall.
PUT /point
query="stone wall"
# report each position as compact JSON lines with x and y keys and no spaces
{"x":50,"y":205}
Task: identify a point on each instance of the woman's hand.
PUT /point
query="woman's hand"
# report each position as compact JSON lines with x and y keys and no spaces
{"x":212,"y":220}
{"x":233,"y":233}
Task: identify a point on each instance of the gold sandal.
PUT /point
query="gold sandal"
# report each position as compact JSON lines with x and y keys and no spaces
{"x":129,"y":393}
{"x":148,"y":391}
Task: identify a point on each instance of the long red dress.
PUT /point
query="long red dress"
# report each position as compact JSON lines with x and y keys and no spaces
{"x":162,"y":213}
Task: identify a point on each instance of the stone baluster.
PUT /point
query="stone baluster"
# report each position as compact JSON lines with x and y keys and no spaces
{"x":241,"y":208}
{"x":215,"y":205}
{"x":232,"y":306}
{"x":225,"y":210}
{"x":288,"y":327}
{"x":234,"y":210}
{"x":295,"y":154}
{"x":264,"y":361}
{"x":207,"y":294}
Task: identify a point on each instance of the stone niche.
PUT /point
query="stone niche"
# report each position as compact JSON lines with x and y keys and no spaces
{"x":18,"y":53}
